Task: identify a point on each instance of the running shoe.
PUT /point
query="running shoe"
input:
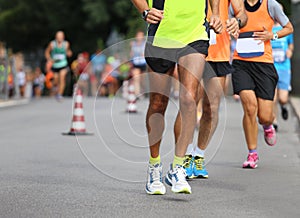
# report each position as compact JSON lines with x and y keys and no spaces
{"x":59,"y":98}
{"x":199,"y":169}
{"x":251,"y":161}
{"x":270,"y":135}
{"x":284,"y":113}
{"x":275,"y":127}
{"x":154,"y":184}
{"x":188,"y":164}
{"x":176,"y":178}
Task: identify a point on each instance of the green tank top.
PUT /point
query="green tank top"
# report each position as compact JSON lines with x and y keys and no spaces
{"x":184,"y":22}
{"x":59,"y":55}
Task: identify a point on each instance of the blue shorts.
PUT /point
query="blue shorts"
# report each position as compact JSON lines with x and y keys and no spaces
{"x":284,"y":81}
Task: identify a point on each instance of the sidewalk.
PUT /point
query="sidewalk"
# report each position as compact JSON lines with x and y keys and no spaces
{"x":295,"y":102}
{"x":13,"y":102}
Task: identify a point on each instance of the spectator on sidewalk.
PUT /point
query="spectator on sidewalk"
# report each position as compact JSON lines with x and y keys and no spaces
{"x":21,"y":80}
{"x":38,"y":82}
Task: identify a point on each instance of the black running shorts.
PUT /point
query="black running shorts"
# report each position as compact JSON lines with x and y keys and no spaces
{"x":161,"y":60}
{"x":221,"y":68}
{"x":257,"y":76}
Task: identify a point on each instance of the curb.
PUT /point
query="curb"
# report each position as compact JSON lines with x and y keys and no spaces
{"x":295,"y":102}
{"x":11,"y":103}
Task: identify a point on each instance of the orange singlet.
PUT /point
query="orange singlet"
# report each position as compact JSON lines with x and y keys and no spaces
{"x":220,"y":51}
{"x":256,"y":22}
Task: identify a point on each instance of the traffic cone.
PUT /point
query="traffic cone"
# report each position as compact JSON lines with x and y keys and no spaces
{"x":78,"y":122}
{"x":131,"y":99}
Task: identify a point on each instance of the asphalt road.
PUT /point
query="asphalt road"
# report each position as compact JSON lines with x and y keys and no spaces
{"x":46,"y":174}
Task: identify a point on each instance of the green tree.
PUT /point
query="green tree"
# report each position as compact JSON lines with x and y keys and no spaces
{"x":27,"y":25}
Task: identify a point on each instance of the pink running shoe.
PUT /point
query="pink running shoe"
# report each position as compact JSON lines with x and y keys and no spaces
{"x":270,"y":135}
{"x":251,"y":161}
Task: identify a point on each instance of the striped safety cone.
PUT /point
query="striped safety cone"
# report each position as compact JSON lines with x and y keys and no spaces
{"x":78,"y":122}
{"x":131,"y":99}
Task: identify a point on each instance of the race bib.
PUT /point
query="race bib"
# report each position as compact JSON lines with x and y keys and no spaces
{"x":212,"y":37}
{"x":248,"y":47}
{"x":59,"y":57}
{"x":279,"y":55}
{"x":138,"y":61}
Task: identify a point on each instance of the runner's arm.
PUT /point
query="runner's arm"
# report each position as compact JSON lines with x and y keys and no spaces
{"x":48,"y":52}
{"x":239,"y":11}
{"x":69,"y":51}
{"x":215,"y":21}
{"x":154,"y":15}
{"x":286,"y":30}
{"x":238,"y":17}
{"x":278,"y":15}
{"x":290,"y":50}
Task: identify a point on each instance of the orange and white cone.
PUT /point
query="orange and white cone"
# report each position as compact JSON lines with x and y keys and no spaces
{"x":131,"y":99}
{"x":78,"y":122}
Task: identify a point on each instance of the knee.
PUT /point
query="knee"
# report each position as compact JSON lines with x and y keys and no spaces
{"x":250,"y":109}
{"x":158,"y":104}
{"x":265,"y":118}
{"x":188,"y":102}
{"x":283,"y":101}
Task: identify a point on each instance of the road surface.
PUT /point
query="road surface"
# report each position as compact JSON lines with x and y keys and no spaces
{"x":46,"y":174}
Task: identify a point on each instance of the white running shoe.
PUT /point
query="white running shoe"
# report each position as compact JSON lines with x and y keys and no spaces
{"x":177,"y":179}
{"x":154,"y":184}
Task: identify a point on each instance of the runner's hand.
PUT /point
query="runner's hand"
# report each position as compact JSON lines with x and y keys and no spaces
{"x":216,"y":23}
{"x":289,"y":53}
{"x":232,"y":27}
{"x":263,"y":36}
{"x":154,"y":16}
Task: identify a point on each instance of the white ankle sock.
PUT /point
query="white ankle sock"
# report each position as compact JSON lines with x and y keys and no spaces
{"x":198,"y":152}
{"x":190,"y":149}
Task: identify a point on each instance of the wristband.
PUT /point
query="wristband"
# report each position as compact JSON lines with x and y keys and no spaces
{"x":145,"y":14}
{"x":275,"y":36}
{"x":239,"y":22}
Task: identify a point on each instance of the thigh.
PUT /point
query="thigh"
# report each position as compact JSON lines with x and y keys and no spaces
{"x":160,"y":84}
{"x":55,"y":76}
{"x":214,"y":90}
{"x":249,"y":101}
{"x":135,"y":71}
{"x":63,"y":72}
{"x":190,"y":71}
{"x":241,"y":79}
{"x":265,"y":78}
{"x":160,"y":60}
{"x":265,"y":108}
{"x":283,"y":94}
{"x":221,"y":68}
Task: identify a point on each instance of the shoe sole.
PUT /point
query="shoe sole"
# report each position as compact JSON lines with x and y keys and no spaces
{"x":201,"y":177}
{"x":181,"y":191}
{"x":271,"y":144}
{"x":157,"y":192}
{"x":189,"y":177}
{"x":249,"y":167}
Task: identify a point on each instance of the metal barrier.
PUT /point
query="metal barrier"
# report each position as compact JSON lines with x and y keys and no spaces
{"x":3,"y":79}
{"x":8,"y":81}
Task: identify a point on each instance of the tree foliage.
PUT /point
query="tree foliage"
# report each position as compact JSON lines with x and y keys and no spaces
{"x":29,"y":25}
{"x":26,"y":25}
